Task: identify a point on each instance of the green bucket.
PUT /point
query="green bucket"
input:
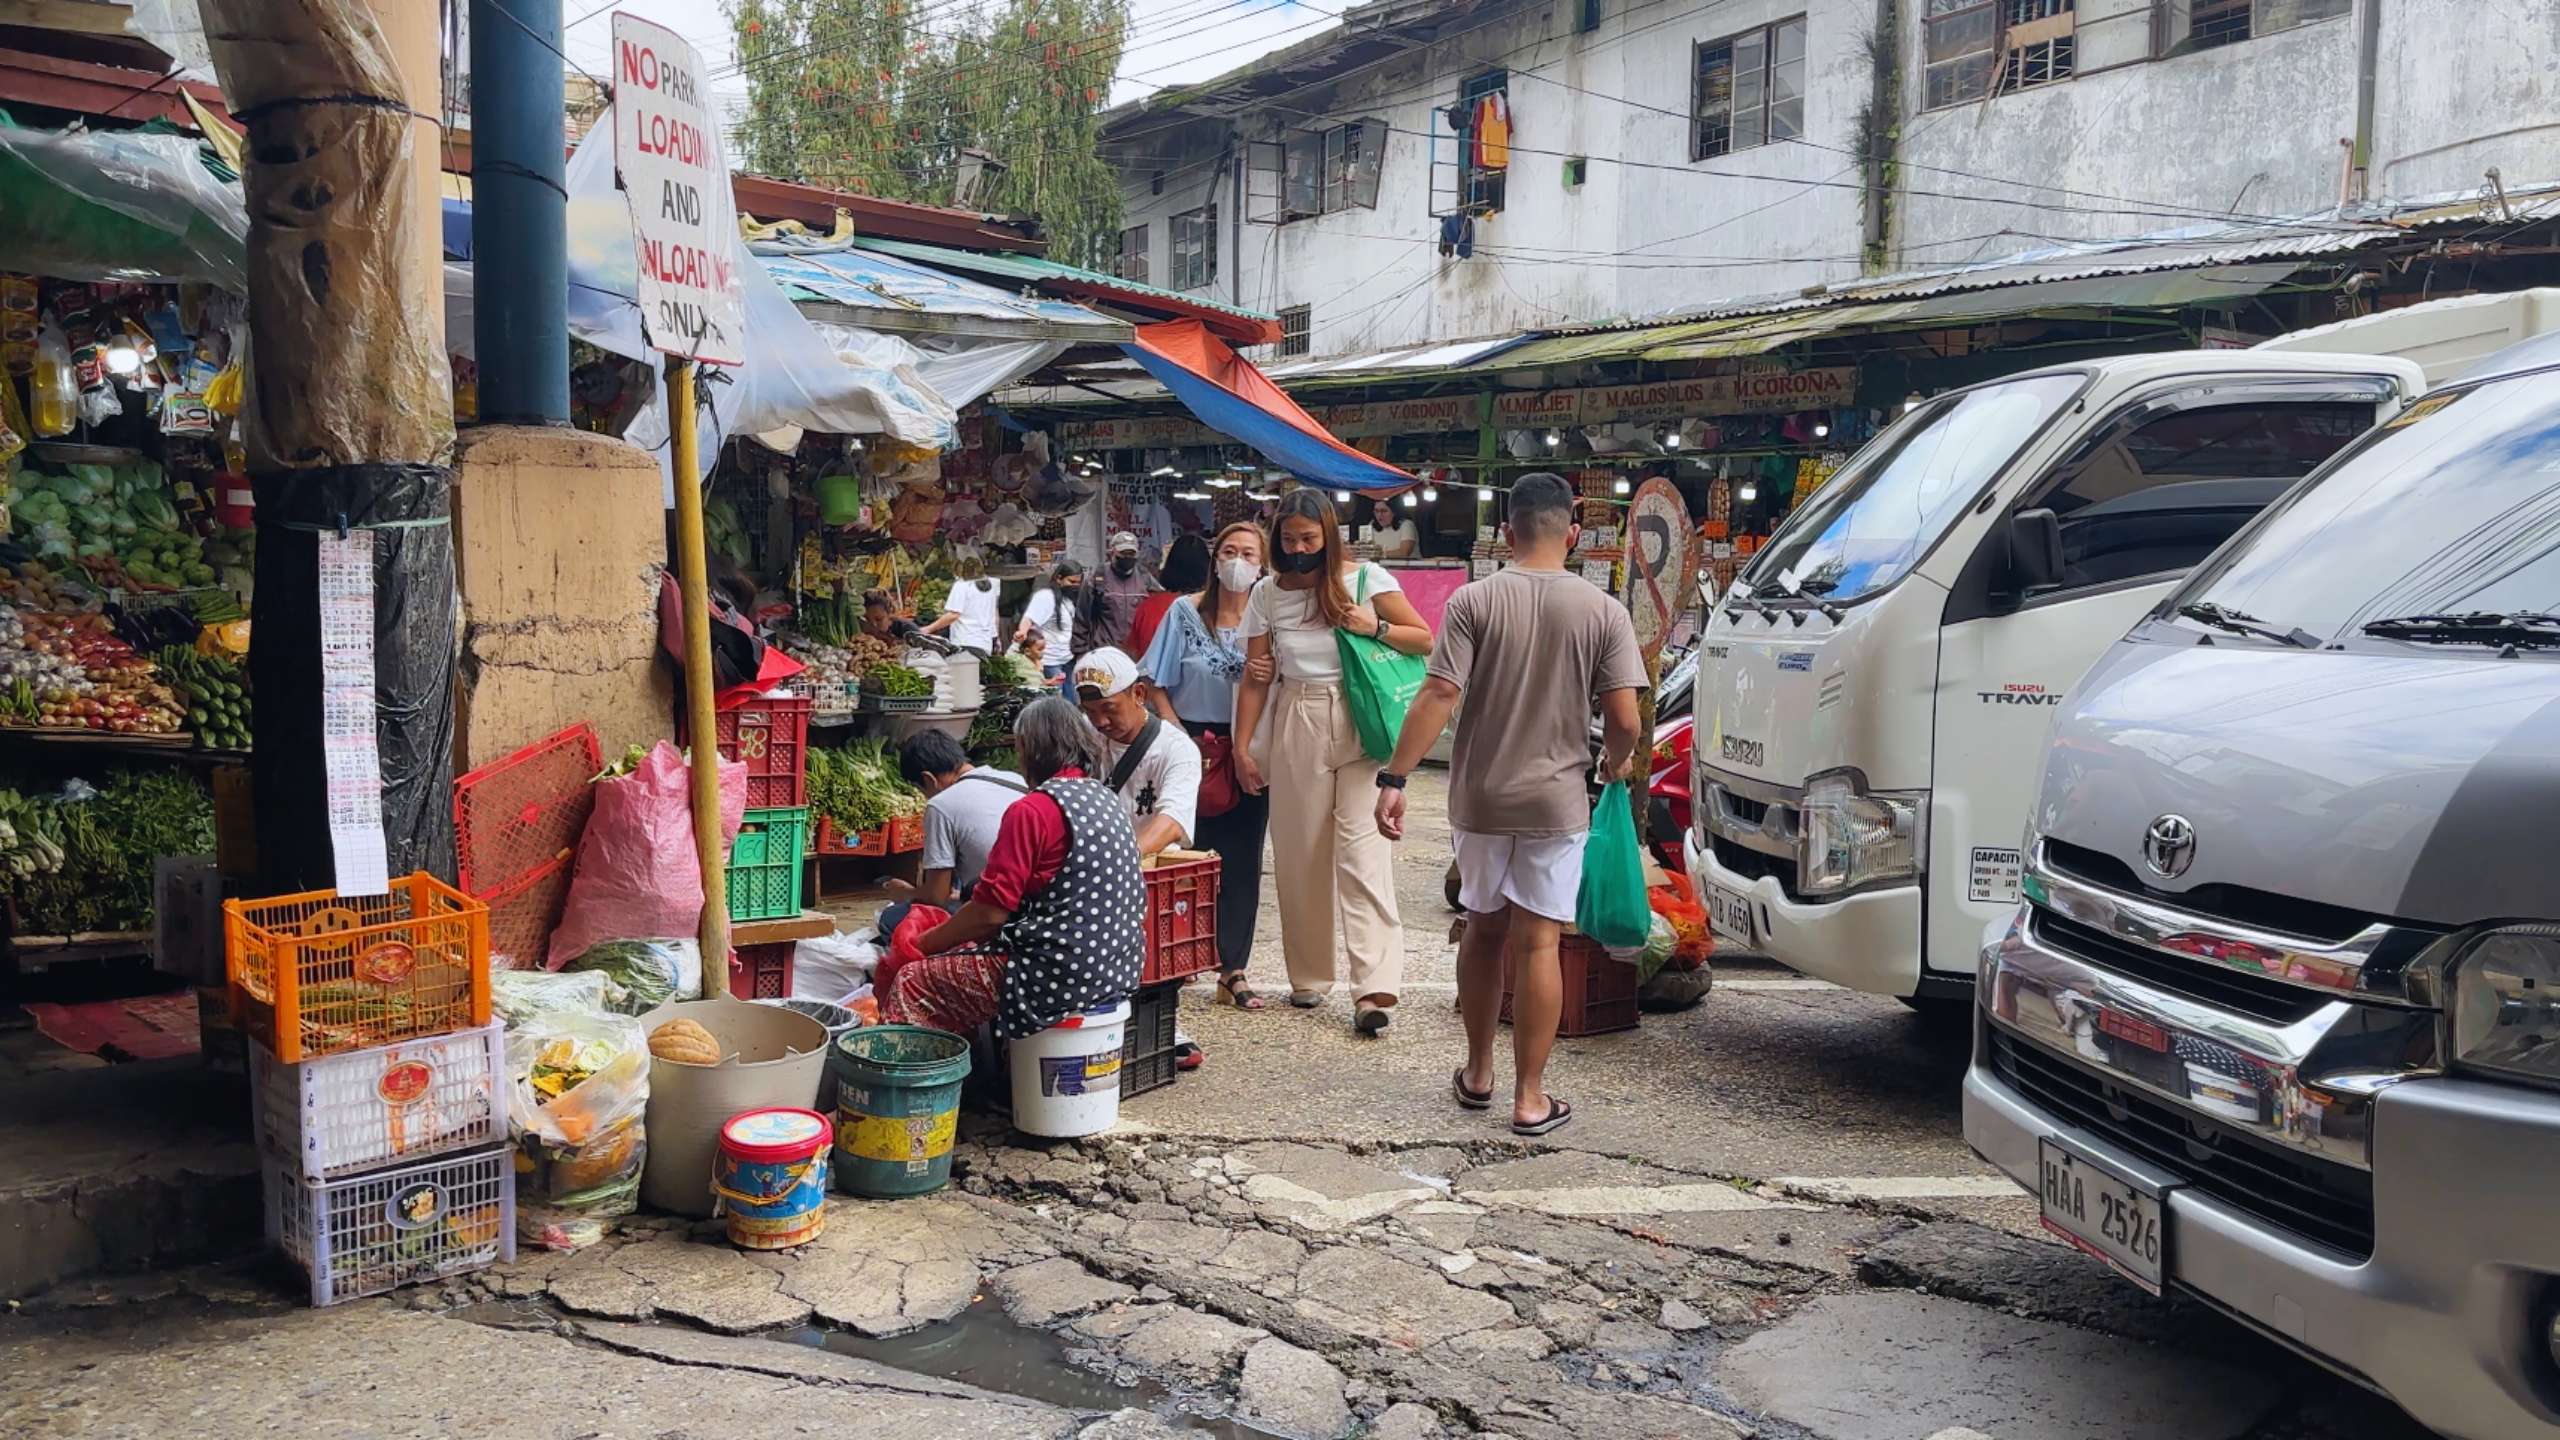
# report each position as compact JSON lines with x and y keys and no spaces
{"x":839,"y":499}
{"x":897,"y":1108}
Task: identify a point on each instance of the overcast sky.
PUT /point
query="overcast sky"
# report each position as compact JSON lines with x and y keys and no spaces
{"x":1172,"y":42}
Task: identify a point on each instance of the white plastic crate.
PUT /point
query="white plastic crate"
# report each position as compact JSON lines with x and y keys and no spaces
{"x":361,"y":1110}
{"x":370,"y":1233}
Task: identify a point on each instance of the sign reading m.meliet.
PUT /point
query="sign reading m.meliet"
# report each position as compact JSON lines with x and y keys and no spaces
{"x":666,"y":154}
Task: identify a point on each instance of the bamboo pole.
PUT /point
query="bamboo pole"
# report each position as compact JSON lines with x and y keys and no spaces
{"x":701,"y":720}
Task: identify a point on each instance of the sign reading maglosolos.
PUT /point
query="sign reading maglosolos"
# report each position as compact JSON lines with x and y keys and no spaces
{"x":666,"y":153}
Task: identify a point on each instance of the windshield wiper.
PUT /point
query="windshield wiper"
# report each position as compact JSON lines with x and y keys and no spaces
{"x":2480,"y":627}
{"x":2205,"y":612}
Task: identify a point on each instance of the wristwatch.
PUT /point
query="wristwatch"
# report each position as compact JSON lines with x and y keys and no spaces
{"x":1389,"y":780}
{"x":1383,"y":627}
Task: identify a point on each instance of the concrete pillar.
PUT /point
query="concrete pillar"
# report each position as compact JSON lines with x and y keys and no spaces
{"x":559,"y":540}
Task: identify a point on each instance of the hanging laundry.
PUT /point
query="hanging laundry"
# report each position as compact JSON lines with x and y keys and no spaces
{"x":1493,"y":132}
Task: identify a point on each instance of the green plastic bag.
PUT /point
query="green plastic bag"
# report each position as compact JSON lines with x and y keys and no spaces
{"x":1611,"y":908}
{"x":1378,"y":683}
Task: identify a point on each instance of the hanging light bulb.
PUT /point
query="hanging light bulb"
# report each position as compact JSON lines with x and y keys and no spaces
{"x":1408,"y":499}
{"x":123,"y":359}
{"x":1554,"y":438}
{"x":1430,"y":494}
{"x":1821,"y":429}
{"x":1671,"y":439}
{"x":1622,"y":485}
{"x":1341,"y":497}
{"x":1748,"y":493}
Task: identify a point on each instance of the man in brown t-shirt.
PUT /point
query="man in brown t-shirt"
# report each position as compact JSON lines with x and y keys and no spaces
{"x":1531,"y":649}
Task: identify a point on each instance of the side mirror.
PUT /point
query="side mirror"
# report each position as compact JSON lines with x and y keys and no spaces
{"x":2035,"y":551}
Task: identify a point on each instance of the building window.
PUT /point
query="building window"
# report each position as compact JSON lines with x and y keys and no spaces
{"x":1297,"y":329}
{"x":1133,"y":254}
{"x":1588,"y":15}
{"x":2185,"y":25}
{"x":1195,"y":248}
{"x":1957,"y":39}
{"x":1749,"y":90}
{"x":1315,"y":172}
{"x":2037,"y":43}
{"x":1484,"y":141}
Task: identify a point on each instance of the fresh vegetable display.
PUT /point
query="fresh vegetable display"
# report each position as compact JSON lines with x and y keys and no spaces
{"x":857,"y":787}
{"x":118,"y":521}
{"x":69,"y":671}
{"x":217,"y":696}
{"x":898,"y":682}
{"x":103,"y":840}
{"x":932,"y":594}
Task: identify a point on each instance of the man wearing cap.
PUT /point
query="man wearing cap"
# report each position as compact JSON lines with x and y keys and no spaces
{"x":1111,"y":600}
{"x":1151,"y":763}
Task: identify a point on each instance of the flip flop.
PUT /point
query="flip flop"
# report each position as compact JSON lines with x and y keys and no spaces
{"x":1558,"y":1112}
{"x":1468,"y":1099}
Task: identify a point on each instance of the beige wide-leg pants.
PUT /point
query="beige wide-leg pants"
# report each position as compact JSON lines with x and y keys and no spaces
{"x":1335,"y":872}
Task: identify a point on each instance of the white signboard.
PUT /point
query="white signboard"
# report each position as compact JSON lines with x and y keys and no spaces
{"x":1994,"y":874}
{"x":666,"y":152}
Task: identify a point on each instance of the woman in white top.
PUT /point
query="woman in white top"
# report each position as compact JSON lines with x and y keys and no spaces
{"x":1051,"y":615}
{"x":1333,"y":869}
{"x":969,"y":614}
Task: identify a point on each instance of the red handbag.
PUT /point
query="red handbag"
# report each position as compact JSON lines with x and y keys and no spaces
{"x":1219,"y":792}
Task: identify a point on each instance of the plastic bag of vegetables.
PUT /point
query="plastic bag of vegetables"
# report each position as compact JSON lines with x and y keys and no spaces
{"x":649,"y":973}
{"x":580,"y":1090}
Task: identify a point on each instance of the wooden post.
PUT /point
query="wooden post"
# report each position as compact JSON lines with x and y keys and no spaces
{"x":701,"y":720}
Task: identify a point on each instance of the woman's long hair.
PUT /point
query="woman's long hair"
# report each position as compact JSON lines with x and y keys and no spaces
{"x":1213,"y":594}
{"x":1051,"y":734}
{"x":1333,"y":600}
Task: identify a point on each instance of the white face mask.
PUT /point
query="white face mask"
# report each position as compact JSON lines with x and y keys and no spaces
{"x":1237,"y":573}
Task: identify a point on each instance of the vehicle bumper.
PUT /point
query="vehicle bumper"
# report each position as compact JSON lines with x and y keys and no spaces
{"x":1868,"y":942}
{"x":2447,"y":1317}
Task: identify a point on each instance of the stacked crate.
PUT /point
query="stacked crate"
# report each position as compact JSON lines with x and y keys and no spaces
{"x":770,"y":736}
{"x":378,"y":1081}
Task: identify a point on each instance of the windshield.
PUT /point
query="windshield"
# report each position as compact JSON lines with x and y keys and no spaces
{"x":1875,"y":520}
{"x":2451,"y":508}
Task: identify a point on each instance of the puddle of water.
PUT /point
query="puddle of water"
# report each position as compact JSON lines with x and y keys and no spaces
{"x":983,"y":1347}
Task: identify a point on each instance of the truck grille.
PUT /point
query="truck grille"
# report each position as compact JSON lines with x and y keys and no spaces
{"x":2319,"y":1201}
{"x":1750,"y":864}
{"x":2201,"y":980}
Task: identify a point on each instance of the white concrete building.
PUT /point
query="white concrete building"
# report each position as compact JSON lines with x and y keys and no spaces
{"x":1669,"y":155}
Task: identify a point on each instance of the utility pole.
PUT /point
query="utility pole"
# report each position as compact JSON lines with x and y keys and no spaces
{"x":348,"y":427}
{"x":519,"y":213}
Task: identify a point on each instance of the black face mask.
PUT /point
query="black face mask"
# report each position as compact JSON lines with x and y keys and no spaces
{"x":1298,"y":562}
{"x":1126,"y":565}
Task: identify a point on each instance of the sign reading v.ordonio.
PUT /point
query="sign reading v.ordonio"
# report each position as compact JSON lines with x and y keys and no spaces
{"x":666,"y":152}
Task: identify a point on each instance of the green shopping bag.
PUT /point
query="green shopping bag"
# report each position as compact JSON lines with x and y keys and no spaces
{"x":1378,"y":683}
{"x":1612,"y":909}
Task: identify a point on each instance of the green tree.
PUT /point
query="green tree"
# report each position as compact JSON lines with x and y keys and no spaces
{"x":881,"y":97}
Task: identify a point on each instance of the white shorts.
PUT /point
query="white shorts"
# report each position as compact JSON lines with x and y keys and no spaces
{"x":1540,"y":874}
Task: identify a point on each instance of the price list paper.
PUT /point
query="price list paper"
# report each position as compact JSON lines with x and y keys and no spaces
{"x":353,"y":761}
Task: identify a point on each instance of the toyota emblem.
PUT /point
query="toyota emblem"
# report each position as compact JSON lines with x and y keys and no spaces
{"x":2169,"y":846}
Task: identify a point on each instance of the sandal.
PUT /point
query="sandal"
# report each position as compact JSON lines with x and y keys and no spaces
{"x":1469,"y":1099}
{"x":1370,"y":1020}
{"x":1238,"y":991}
{"x":1558,"y":1112}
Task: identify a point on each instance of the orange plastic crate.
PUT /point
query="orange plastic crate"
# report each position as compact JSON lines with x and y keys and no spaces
{"x":906,"y":833}
{"x":316,"y":974}
{"x":832,"y":841}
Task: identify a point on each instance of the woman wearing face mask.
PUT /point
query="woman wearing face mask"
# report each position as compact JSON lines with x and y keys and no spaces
{"x":1185,"y":570}
{"x":1051,"y":615}
{"x":1196,"y":662}
{"x":1337,"y":873}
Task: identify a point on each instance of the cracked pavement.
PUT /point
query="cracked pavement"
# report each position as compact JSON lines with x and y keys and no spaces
{"x":1765,"y":1224}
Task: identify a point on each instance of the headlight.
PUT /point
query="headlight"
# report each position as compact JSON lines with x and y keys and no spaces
{"x":2506,"y":1004}
{"x":1851,"y":839}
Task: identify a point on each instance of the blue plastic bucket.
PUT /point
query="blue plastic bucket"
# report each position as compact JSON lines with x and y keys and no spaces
{"x":771,"y":1177}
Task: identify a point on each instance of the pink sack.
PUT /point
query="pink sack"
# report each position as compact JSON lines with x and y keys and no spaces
{"x":636,"y":876}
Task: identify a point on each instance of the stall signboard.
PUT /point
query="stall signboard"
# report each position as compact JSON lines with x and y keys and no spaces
{"x":1427,"y":415}
{"x":1755,"y":392}
{"x":666,"y":152}
{"x":1662,"y":562}
{"x":1139,"y":433}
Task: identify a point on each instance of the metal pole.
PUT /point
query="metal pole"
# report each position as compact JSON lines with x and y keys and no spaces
{"x":519,"y":213}
{"x":701,"y":721}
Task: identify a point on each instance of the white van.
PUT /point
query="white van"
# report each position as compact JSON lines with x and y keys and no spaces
{"x":1877,"y":685}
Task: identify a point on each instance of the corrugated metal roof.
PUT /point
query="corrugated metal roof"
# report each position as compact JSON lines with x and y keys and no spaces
{"x":1389,"y":364}
{"x":1239,"y":326}
{"x":894,"y":294}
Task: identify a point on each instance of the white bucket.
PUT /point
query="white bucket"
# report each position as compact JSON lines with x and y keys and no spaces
{"x":962,"y":687}
{"x":1066,"y":1079}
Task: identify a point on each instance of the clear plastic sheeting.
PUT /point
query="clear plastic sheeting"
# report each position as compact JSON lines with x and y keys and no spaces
{"x":119,"y":205}
{"x":958,"y":368}
{"x":176,"y":27}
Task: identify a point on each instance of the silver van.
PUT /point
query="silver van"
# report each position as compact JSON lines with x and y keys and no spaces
{"x":2277,"y":1020}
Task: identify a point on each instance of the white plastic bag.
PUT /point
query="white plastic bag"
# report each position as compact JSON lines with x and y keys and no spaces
{"x":636,"y":877}
{"x":580,"y":1090}
{"x":832,"y":967}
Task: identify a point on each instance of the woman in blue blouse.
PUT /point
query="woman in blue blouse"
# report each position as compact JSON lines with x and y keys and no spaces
{"x":1195,"y":662}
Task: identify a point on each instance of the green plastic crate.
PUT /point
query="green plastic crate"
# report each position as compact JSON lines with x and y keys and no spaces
{"x":764,"y":866}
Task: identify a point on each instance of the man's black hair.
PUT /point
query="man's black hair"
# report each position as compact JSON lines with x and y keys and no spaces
{"x":929,"y":752}
{"x":1541,"y":506}
{"x":879,"y":598}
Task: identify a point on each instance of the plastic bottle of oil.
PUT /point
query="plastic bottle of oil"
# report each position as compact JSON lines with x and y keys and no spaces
{"x":56,"y":390}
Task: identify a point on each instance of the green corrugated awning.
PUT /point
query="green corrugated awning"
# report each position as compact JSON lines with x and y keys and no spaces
{"x":1032,"y":270}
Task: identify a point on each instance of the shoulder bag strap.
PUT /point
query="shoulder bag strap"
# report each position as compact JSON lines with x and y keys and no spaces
{"x":1136,"y":752}
{"x":1016,"y":787}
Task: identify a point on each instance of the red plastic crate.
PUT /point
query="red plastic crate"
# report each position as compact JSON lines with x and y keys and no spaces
{"x":761,"y":972}
{"x":514,"y":816}
{"x":771,"y":736}
{"x":832,"y":841}
{"x":1599,"y":993}
{"x":1182,"y":921}
{"x":906,"y":834}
